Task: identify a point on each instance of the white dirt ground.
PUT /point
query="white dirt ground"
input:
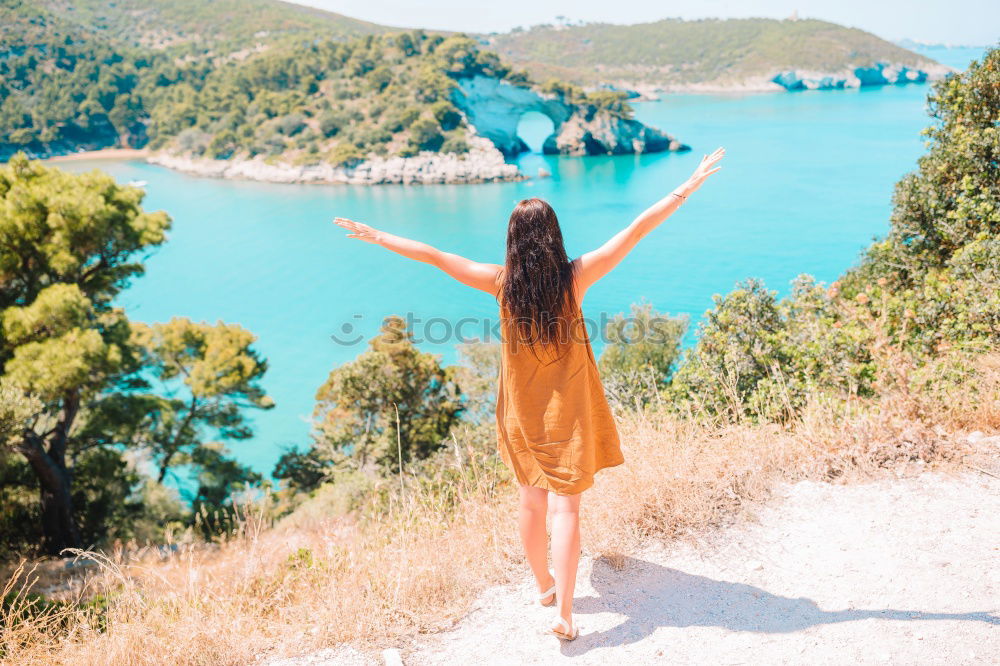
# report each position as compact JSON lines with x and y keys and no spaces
{"x":903,"y":571}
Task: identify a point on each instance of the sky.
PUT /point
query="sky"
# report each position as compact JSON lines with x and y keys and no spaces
{"x":956,"y":22}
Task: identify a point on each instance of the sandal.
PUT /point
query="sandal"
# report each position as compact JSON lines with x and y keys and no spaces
{"x":551,"y":592}
{"x":572,"y":631}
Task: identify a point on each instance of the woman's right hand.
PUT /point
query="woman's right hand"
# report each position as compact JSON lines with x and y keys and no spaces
{"x":358,"y":230}
{"x":706,"y":168}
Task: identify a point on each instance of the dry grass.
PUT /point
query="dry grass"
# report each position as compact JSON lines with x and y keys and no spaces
{"x":278,"y":591}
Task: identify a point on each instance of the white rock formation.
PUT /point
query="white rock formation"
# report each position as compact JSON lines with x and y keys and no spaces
{"x":482,"y":164}
{"x":879,"y":74}
{"x":494,"y":107}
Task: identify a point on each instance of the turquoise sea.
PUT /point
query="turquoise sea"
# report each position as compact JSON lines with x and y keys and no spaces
{"x":806,"y":185}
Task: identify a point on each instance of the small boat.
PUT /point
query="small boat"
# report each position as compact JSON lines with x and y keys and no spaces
{"x":137,"y":183}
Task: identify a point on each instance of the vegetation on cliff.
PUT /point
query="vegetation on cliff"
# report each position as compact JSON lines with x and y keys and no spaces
{"x":677,"y":52}
{"x":197,"y":26}
{"x":307,"y":96}
{"x":62,"y":87}
{"x":329,"y":101}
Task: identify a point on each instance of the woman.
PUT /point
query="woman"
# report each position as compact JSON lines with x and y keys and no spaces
{"x":554,"y":427}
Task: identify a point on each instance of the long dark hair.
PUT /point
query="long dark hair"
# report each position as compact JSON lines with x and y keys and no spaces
{"x":537,"y":286}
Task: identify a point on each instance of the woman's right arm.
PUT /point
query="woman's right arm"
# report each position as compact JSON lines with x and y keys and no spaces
{"x":472,"y":273}
{"x":594,"y":265}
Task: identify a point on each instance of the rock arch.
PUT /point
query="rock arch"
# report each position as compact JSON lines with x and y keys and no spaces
{"x":494,"y":107}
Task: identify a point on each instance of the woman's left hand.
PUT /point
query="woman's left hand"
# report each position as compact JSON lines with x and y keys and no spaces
{"x":358,"y":230}
{"x":706,"y":168}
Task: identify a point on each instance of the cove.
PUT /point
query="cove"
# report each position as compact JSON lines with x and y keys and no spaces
{"x":806,"y":184}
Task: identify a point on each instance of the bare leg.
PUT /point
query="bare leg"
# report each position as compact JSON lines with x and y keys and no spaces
{"x":534,"y":504}
{"x":566,"y":549}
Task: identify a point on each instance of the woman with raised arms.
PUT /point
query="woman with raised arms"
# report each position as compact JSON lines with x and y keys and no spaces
{"x":554,"y":427}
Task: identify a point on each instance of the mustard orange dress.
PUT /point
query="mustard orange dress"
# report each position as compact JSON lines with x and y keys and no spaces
{"x":554,"y":427}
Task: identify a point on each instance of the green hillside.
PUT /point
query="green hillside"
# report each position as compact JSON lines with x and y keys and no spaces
{"x":676,"y":52}
{"x":63,"y":86}
{"x":91,"y":74}
{"x":228,"y":78}
{"x":330,"y":101}
{"x":162,"y":24}
{"x":76,"y":83}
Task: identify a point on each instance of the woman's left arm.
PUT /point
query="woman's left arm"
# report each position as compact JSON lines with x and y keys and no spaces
{"x":472,"y":273}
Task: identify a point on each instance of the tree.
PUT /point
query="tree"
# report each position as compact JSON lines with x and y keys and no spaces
{"x":931,"y":285}
{"x":356,"y":410}
{"x":477,"y":375}
{"x":640,"y":354}
{"x":953,"y":198}
{"x":425,"y":134}
{"x":67,"y":247}
{"x":207,"y":376}
{"x":647,"y":340}
{"x":189,"y":400}
{"x":936,"y":277}
{"x":446,"y":114}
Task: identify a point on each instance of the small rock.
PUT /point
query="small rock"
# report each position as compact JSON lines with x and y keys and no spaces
{"x":392,"y":657}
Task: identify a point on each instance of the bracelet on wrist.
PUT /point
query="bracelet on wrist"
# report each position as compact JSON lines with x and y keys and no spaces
{"x":678,"y":195}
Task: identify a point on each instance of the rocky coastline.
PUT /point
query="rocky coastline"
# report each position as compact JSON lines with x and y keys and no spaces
{"x":878,"y":74}
{"x":482,"y":164}
{"x":790,"y":80}
{"x":495,"y":107}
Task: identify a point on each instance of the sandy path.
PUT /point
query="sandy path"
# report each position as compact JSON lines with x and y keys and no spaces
{"x":900,"y":571}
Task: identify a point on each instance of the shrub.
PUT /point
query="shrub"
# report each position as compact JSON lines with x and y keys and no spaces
{"x":345,"y":154}
{"x":737,"y":349}
{"x":425,"y":134}
{"x":379,"y":78}
{"x":290,"y":125}
{"x":398,"y":119}
{"x":639,"y":358}
{"x":331,"y":122}
{"x":455,"y":142}
{"x":392,"y":401}
{"x":446,"y":114}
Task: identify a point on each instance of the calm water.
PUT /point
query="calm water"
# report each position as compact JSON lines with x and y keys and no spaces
{"x":806,"y":185}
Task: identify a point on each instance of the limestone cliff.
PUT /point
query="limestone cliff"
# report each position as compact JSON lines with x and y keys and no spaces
{"x":495,"y":106}
{"x":590,"y":132}
{"x":879,"y":74}
{"x":482,"y":164}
